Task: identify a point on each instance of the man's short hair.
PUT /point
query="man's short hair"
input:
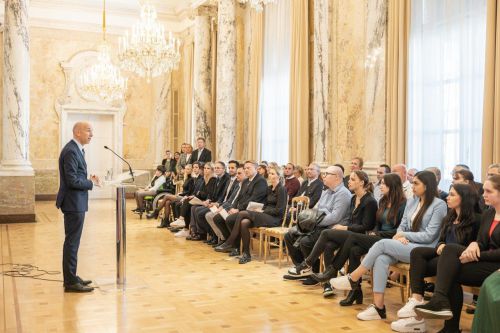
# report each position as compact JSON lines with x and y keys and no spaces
{"x":254,"y":163}
{"x":386,"y":168}
{"x":200,"y":138}
{"x":465,"y":166}
{"x":221,"y":163}
{"x":340,"y":166}
{"x":234,"y":162}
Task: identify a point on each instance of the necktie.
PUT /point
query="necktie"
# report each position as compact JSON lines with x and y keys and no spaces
{"x":228,"y":190}
{"x":83,"y":152}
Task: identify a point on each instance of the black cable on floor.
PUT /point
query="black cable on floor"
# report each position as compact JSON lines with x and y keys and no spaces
{"x":28,"y":271}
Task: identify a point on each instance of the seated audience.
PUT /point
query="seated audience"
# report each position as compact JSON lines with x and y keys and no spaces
{"x":334,"y":204}
{"x":271,"y":216}
{"x":460,"y":226}
{"x":388,"y":217}
{"x":435,"y":170}
{"x":292,"y":184}
{"x":254,"y":188}
{"x":298,"y":172}
{"x":152,"y":189}
{"x":362,"y":212}
{"x":469,"y":265}
{"x":197,"y":182}
{"x":230,"y":197}
{"x":356,"y":164}
{"x":313,"y":185}
{"x":199,"y":225}
{"x":400,"y":169}
{"x":382,"y":170}
{"x":459,"y":167}
{"x":419,"y":227}
{"x":411,"y":174}
{"x":205,"y":191}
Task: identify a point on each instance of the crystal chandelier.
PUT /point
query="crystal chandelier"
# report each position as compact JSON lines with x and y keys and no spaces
{"x":258,"y":5}
{"x":146,"y":51}
{"x":103,"y":81}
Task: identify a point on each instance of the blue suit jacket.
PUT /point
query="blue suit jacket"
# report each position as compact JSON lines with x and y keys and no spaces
{"x":73,"y":183}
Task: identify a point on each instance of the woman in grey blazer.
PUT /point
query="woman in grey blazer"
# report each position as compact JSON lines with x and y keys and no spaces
{"x":420,"y":226}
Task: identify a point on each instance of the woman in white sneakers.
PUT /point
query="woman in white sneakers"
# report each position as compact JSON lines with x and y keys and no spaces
{"x":460,"y":226}
{"x":419,"y":227}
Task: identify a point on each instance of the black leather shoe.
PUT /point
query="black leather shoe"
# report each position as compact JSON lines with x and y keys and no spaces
{"x":219,"y":243}
{"x":84,"y":282}
{"x":245,"y":258}
{"x":329,"y":273}
{"x":77,"y":288}
{"x":309,"y":281}
{"x":234,"y":253}
{"x":213,"y":241}
{"x":225,"y":248}
{"x":355,"y":295}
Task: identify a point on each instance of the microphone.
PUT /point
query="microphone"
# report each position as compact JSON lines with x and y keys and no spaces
{"x":121,"y":158}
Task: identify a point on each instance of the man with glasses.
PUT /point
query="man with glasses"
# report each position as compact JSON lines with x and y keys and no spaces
{"x":334,"y":203}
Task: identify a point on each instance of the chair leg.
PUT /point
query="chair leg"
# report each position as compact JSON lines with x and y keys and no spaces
{"x":260,"y":244}
{"x":286,"y":251}
{"x":280,"y":255}
{"x":266,"y":241}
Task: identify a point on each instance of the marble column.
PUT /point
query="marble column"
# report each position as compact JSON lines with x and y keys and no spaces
{"x":226,"y":81}
{"x":375,"y":81}
{"x":203,"y":115}
{"x":16,"y":89}
{"x":321,"y":85}
{"x":162,"y":119}
{"x":15,"y":167}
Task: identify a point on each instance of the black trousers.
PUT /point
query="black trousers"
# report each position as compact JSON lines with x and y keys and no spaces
{"x":73,"y":226}
{"x":226,"y":226}
{"x":355,"y":246}
{"x":306,"y":244}
{"x":328,"y":241}
{"x":202,"y":225}
{"x":186,"y":212}
{"x":451,"y":274}
{"x":423,"y":263}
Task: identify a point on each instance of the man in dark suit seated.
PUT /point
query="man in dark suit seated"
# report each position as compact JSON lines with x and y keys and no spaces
{"x":201,"y":154}
{"x":254,"y":188}
{"x":312,"y":187}
{"x":72,"y":199}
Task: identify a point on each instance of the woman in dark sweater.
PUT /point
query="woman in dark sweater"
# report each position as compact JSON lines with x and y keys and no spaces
{"x":460,"y":226}
{"x":271,"y":216}
{"x":469,"y":265}
{"x":363,"y":212}
{"x":388,"y":217}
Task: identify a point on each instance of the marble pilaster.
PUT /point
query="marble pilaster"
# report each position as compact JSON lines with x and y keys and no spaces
{"x":375,"y":80}
{"x":16,"y":91}
{"x":203,"y":115}
{"x":321,"y":85}
{"x":162,"y":119}
{"x":226,"y":80}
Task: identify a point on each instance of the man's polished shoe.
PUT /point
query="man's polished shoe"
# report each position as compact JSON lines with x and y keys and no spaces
{"x":226,"y":248}
{"x":84,"y":282}
{"x":77,"y":288}
{"x":234,"y":253}
{"x":245,"y":258}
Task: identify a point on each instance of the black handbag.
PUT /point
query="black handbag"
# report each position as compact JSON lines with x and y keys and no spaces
{"x":308,"y":219}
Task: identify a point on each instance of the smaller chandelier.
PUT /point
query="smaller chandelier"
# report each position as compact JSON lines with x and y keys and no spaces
{"x":146,"y":51}
{"x":103,"y":81}
{"x":258,"y":5}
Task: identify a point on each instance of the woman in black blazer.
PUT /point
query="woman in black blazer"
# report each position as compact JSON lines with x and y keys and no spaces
{"x":469,"y":265}
{"x":271,"y":215}
{"x":363,"y":212}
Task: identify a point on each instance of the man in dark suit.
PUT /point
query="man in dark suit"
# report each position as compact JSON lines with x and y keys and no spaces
{"x":312,"y":187}
{"x":72,"y":199}
{"x":254,"y":188}
{"x":201,"y":154}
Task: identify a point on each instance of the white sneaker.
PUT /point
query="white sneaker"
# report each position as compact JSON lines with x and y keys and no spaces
{"x":178,"y":223}
{"x":372,"y":313}
{"x":408,"y":325}
{"x":341,"y":283}
{"x":407,"y":310}
{"x":183,"y":233}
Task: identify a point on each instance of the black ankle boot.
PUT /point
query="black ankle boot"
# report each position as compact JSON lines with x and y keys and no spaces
{"x":165,"y":223}
{"x":329,"y":273}
{"x":355,"y":295}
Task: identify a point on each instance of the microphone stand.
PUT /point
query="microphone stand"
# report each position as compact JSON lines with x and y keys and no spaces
{"x":121,"y":158}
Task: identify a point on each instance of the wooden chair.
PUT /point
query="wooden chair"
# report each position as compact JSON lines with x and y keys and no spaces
{"x":403,"y":281}
{"x":468,"y":289}
{"x":299,"y":204}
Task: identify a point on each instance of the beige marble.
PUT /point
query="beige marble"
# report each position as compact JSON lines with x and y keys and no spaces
{"x":357,"y":92}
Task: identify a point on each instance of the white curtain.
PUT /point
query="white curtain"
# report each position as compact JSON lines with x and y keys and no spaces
{"x":275,"y":88}
{"x":446,"y":80}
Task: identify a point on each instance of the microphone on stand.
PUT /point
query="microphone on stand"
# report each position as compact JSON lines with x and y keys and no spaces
{"x":121,"y":158}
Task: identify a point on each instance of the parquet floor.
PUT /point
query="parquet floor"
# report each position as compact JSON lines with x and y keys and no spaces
{"x":184,"y":286}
